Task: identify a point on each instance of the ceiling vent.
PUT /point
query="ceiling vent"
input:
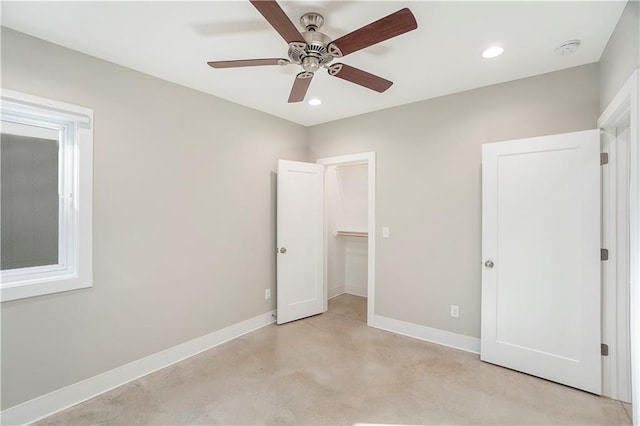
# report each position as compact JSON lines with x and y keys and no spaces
{"x":568,"y":47}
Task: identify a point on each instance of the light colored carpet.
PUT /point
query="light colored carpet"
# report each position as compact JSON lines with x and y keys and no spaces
{"x":333,"y":369}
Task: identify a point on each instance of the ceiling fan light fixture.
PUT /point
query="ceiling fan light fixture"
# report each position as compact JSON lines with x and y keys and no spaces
{"x":310,"y":64}
{"x":315,"y":102}
{"x":492,"y":52}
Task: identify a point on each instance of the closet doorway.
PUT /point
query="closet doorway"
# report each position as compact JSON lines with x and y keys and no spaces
{"x":349,"y":226}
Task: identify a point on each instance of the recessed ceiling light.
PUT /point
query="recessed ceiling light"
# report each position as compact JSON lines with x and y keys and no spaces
{"x":492,"y":52}
{"x":568,"y":47}
{"x":315,"y":102}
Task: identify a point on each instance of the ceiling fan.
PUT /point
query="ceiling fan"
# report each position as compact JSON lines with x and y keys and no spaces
{"x":313,"y":50}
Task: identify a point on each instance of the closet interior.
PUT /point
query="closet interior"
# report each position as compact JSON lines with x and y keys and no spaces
{"x":346,"y":212}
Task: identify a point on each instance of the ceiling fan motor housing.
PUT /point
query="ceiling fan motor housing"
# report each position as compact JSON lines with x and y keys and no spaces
{"x":315,"y":54}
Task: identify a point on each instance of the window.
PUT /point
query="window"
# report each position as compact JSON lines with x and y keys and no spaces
{"x":46,"y":149}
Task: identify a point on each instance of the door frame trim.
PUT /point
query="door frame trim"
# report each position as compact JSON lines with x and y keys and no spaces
{"x":626,"y":102}
{"x":370,"y":159}
{"x":616,"y":373}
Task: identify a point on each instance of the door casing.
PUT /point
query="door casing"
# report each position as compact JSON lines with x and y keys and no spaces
{"x":622,"y":111}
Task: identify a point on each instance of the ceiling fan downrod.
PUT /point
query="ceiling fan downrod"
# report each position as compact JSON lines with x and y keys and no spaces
{"x":311,"y":21}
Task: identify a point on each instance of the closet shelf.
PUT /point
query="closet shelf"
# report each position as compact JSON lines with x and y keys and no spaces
{"x":351,"y":234}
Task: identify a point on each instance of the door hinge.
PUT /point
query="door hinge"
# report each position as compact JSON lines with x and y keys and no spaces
{"x":604,"y":349}
{"x":604,"y":158}
{"x":604,"y":254}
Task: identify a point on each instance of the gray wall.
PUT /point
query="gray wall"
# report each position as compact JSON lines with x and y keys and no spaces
{"x":429,"y":188}
{"x":622,"y":54}
{"x":184,"y":227}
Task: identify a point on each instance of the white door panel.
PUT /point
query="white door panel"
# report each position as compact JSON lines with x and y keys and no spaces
{"x":300,"y":291}
{"x":541,"y":229}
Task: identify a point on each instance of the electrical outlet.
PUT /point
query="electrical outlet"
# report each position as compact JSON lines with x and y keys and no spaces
{"x":267,"y":294}
{"x":455,"y":311}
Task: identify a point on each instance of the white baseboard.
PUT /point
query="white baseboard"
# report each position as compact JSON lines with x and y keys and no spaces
{"x":433,"y":335}
{"x":335,"y":291}
{"x":356,"y":291}
{"x":58,"y":400}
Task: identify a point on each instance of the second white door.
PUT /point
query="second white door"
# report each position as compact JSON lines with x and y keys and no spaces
{"x":541,"y":257}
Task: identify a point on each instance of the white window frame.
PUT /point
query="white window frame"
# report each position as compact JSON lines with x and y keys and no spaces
{"x":74,"y":125}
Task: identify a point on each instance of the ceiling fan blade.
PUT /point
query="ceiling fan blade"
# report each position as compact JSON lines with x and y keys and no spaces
{"x":274,"y":14}
{"x":300,"y":86}
{"x":357,"y":76}
{"x":383,"y":29}
{"x":248,"y":63}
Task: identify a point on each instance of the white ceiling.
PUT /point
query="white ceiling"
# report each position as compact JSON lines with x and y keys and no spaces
{"x":174,"y":40}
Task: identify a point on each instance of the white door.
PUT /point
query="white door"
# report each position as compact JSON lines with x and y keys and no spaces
{"x":541,"y":257}
{"x":301,"y":290}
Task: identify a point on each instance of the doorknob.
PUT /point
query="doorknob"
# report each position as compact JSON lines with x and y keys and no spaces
{"x":283,"y":250}
{"x":488,"y":264}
